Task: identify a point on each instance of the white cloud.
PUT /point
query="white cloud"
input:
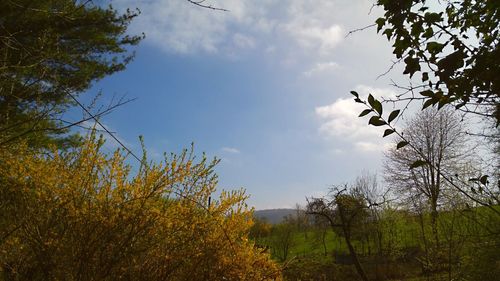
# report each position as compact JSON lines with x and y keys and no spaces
{"x":243,"y":42}
{"x":177,"y":26}
{"x":230,"y":150}
{"x":340,"y":120}
{"x":373,"y":146}
{"x":314,"y":25}
{"x":366,"y":146}
{"x":321,"y":67}
{"x":379,"y":93}
{"x":337,"y":151}
{"x":270,"y":49}
{"x":324,"y":39}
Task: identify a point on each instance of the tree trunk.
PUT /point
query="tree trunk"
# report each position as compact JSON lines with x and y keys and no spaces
{"x":352,"y":252}
{"x":434,"y":223}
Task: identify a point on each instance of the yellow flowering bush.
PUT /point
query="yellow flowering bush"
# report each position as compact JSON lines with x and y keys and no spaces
{"x":85,"y":215}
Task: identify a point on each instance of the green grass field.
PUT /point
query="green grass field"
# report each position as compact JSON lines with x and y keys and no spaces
{"x":398,"y":247}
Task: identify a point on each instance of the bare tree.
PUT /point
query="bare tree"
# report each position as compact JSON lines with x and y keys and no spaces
{"x":301,"y":219}
{"x":440,"y":139}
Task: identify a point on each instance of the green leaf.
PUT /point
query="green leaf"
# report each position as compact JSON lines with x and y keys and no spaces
{"x":484,"y":179}
{"x":378,"y":107}
{"x":358,"y":100}
{"x":380,"y":23}
{"x":393,"y":115}
{"x":425,"y":76}
{"x":429,"y":32}
{"x":427,"y":103}
{"x":432,"y":17}
{"x":417,"y":164}
{"x":388,"y":132}
{"x":376,"y":121}
{"x":451,"y":62}
{"x":427,"y":93}
{"x":371,"y":99}
{"x":375,"y":104}
{"x":443,"y":101}
{"x":401,"y":144}
{"x":354,"y":93}
{"x":412,"y":66}
{"x":417,"y":28}
{"x":388,"y":32}
{"x":365,"y":112}
{"x":434,"y":47}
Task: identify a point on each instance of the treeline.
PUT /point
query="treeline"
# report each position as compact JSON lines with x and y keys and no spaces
{"x":395,"y":246}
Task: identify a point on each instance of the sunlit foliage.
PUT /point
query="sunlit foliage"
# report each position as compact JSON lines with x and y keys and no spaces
{"x":85,"y":215}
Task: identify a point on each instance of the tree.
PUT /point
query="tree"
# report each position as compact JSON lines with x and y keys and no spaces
{"x":366,"y":186}
{"x":53,"y":50}
{"x":453,"y":46}
{"x":439,"y":135}
{"x":321,"y":226}
{"x":83,"y":215}
{"x":301,"y":220}
{"x":487,"y":195}
{"x":344,"y":212}
{"x":260,"y":229}
{"x":282,"y":239}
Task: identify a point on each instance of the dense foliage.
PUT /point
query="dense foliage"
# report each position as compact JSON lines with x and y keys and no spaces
{"x":453,"y":46}
{"x":83,"y":215}
{"x":51,"y":51}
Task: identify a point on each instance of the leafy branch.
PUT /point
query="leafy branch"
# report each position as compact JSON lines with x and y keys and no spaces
{"x":374,"y":107}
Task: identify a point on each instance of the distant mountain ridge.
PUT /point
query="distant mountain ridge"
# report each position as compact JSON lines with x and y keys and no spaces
{"x":274,"y":216}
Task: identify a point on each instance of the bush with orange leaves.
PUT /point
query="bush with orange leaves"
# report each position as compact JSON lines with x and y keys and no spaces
{"x":84,"y":215}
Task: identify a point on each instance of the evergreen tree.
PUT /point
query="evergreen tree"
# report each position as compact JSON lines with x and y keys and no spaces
{"x":51,"y":51}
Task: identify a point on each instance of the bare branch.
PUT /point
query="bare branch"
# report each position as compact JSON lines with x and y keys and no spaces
{"x":200,"y":3}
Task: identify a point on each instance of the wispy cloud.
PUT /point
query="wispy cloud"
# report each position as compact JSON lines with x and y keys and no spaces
{"x":321,"y":67}
{"x":323,"y":39}
{"x":230,"y":150}
{"x":179,"y":27}
{"x":110,"y":142}
{"x":243,"y":41}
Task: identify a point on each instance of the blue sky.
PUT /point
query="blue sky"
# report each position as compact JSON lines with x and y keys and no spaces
{"x":264,"y":87}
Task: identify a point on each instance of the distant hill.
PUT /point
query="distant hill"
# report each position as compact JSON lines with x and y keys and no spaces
{"x":274,"y":216}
